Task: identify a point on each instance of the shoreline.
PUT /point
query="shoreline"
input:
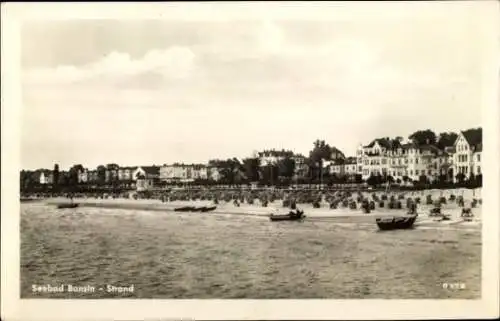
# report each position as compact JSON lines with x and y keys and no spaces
{"x":314,"y":214}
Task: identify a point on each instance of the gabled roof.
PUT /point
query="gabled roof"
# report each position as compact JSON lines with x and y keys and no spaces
{"x":478,"y":148}
{"x":351,"y":160}
{"x":152,"y":170}
{"x":383,"y":142}
{"x":337,"y":151}
{"x":129,"y":167}
{"x":473,"y":136}
{"x":408,"y":146}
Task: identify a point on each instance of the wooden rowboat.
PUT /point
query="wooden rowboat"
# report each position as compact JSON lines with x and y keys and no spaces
{"x":185,"y":209}
{"x":208,"y":208}
{"x":195,"y":209}
{"x":396,"y":222}
{"x":70,"y":205}
{"x":292,"y":216}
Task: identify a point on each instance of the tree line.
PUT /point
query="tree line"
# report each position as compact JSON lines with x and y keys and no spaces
{"x":284,"y":171}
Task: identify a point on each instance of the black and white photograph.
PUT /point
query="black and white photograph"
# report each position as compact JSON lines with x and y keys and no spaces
{"x":257,"y":156}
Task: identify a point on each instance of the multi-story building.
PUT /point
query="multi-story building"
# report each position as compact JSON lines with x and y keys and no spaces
{"x":83,"y":176}
{"x":442,"y":166}
{"x":269,"y":157}
{"x":335,"y":167}
{"x":111,"y":173}
{"x":183,"y":172}
{"x":45,"y":176}
{"x":126,"y":173}
{"x":351,"y":167}
{"x":341,"y":167}
{"x":146,"y":177}
{"x":372,"y":159}
{"x":476,"y":159}
{"x":467,"y":158}
{"x":401,"y":161}
{"x":92,"y":176}
{"x":213,"y":173}
{"x":301,"y":169}
{"x":421,"y":160}
{"x":173,"y":172}
{"x":199,"y":171}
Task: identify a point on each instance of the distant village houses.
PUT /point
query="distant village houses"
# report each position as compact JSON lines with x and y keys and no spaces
{"x":454,"y":158}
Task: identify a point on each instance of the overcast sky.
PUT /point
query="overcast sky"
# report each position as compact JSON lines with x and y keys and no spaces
{"x":154,"y":92}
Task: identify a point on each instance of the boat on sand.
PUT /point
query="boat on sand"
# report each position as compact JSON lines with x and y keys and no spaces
{"x":291,"y":216}
{"x":208,"y":208}
{"x":195,"y":209}
{"x":396,"y":222}
{"x":185,"y":209}
{"x":69,"y":205}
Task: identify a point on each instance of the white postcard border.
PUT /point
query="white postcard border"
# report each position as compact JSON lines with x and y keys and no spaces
{"x":14,"y":308}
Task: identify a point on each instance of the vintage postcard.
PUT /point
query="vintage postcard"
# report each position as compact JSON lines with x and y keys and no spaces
{"x":250,"y":160}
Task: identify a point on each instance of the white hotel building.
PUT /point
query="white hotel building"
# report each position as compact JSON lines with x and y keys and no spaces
{"x":468,"y":152}
{"x":187,"y":173}
{"x":398,"y":160}
{"x":402,"y":161}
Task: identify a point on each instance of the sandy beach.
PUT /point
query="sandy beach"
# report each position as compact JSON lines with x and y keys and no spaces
{"x":322,"y":213}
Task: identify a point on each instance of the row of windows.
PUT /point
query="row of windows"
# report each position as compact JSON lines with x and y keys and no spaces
{"x":462,"y":158}
{"x":401,"y":173}
{"x":398,"y":161}
{"x":384,"y":161}
{"x":462,"y":147}
{"x":393,"y":153}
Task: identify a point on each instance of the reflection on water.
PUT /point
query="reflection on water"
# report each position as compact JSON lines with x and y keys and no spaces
{"x":191,"y":255}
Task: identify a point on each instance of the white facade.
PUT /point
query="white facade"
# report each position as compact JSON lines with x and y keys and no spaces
{"x":126,"y":173}
{"x":269,"y":160}
{"x":441,"y":165}
{"x":476,"y":160}
{"x":83,"y":176}
{"x":214,"y":174}
{"x":419,"y":163}
{"x":341,"y":168}
{"x":463,"y":158}
{"x":46,"y":177}
{"x":183,"y":172}
{"x":301,"y":168}
{"x":406,"y":161}
{"x":173,"y":172}
{"x":143,"y":184}
{"x":200,"y":172}
{"x":372,"y":160}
